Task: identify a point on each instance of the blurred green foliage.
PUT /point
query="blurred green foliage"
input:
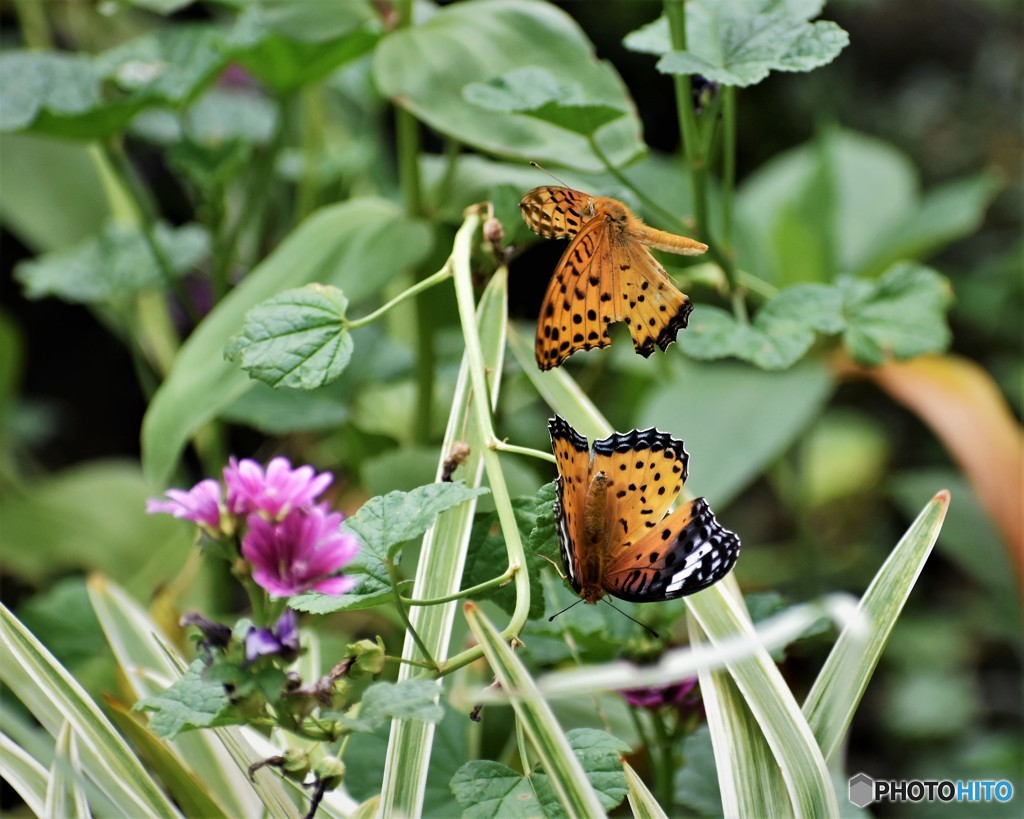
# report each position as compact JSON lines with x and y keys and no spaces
{"x":170,"y":165}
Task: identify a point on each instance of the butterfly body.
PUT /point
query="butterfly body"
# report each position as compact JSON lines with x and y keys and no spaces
{"x":615,"y":533}
{"x":606,"y":275}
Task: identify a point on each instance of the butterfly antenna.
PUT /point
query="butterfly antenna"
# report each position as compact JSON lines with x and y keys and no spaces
{"x":563,"y":611}
{"x":620,"y":611}
{"x":540,"y":167}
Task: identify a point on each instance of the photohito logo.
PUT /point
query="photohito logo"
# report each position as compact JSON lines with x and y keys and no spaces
{"x":864,"y":790}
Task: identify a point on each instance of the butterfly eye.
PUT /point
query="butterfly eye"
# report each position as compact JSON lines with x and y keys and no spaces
{"x":591,"y":210}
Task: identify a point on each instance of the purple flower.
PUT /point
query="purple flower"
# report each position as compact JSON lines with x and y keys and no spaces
{"x":301,"y":553}
{"x":275,"y":493}
{"x":676,"y":694}
{"x":201,"y":504}
{"x":282,"y":640}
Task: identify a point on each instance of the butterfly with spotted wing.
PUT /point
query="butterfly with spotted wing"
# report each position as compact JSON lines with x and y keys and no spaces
{"x":606,"y":275}
{"x":610,"y":509}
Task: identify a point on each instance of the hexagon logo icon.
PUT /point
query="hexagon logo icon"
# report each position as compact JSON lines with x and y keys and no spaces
{"x":862,"y":790}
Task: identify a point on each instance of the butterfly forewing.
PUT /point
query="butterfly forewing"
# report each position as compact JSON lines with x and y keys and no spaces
{"x":686,"y":552}
{"x":578,"y":307}
{"x":556,"y":212}
{"x":646,"y":470}
{"x":572,"y":456}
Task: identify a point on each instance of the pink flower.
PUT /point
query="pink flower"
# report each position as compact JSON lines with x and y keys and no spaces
{"x":200,"y":504}
{"x":274,"y":493}
{"x":301,"y":553}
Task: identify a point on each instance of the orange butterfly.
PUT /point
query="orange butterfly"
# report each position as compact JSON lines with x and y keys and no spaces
{"x":605,"y":275}
{"x":613,"y":531}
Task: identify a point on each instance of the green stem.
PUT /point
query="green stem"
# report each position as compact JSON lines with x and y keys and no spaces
{"x":254,"y":192}
{"x":35,"y":29}
{"x":494,"y":582}
{"x":693,"y":150}
{"x":492,"y":463}
{"x":402,"y":661}
{"x":524,"y":759}
{"x":663,"y":212}
{"x":756,"y":285}
{"x":664,"y":785}
{"x":408,"y":137}
{"x":400,"y":606}
{"x":424,"y":284}
{"x":728,"y":162}
{"x":501,"y":446}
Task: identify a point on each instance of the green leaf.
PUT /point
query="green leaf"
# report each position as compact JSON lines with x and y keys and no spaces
{"x":641,"y":801}
{"x":54,"y":698}
{"x":384,"y":523}
{"x":115,"y":264}
{"x":763,"y":605}
{"x":384,"y":701}
{"x":44,"y":171}
{"x":89,"y":517}
{"x":822,"y":208}
{"x":841,"y":683}
{"x":736,"y":420}
{"x":945,"y":213}
{"x":487,"y":552}
{"x":490,"y":789}
{"x":297,"y":339}
{"x":739,"y":42}
{"x":534,"y":91}
{"x":543,"y":540}
{"x":288,"y":44}
{"x":191,"y":702}
{"x":40,"y":82}
{"x":901,"y":315}
{"x":696,"y":783}
{"x":424,"y":68}
{"x":171,"y":65}
{"x":160,"y":6}
{"x":782,"y":331}
{"x":562,"y":764}
{"x":357,"y":246}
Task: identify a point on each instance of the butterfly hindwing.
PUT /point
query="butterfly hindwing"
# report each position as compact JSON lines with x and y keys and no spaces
{"x":556,"y":212}
{"x":572,"y":456}
{"x":686,"y":552}
{"x":657,"y":310}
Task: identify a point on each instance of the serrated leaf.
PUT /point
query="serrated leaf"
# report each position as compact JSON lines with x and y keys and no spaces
{"x":739,"y":42}
{"x":115,"y":264}
{"x":384,"y":523}
{"x":287,"y":44}
{"x":817,"y":306}
{"x":543,"y":540}
{"x":424,"y":68}
{"x":383,"y":701}
{"x":297,"y":339}
{"x":191,"y":702}
{"x":38,"y":81}
{"x":373,"y":587}
{"x":490,"y":790}
{"x":170,"y":65}
{"x":487,"y":789}
{"x":901,"y":315}
{"x":487,"y":552}
{"x":536,"y":92}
